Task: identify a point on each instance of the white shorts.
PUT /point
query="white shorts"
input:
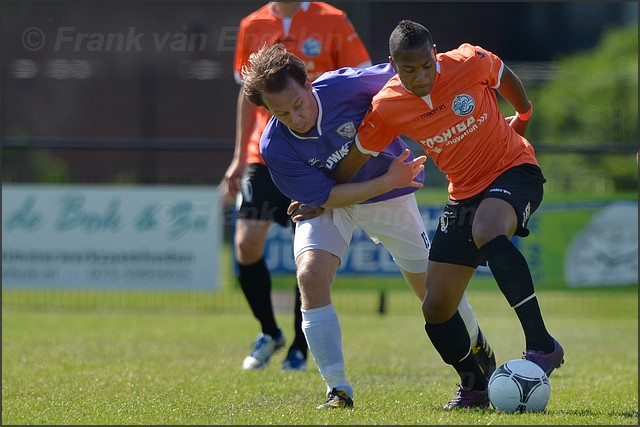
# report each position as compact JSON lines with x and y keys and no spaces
{"x":396,"y":223}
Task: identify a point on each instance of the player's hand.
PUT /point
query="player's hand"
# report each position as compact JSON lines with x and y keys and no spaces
{"x":402,"y":174}
{"x":301,"y":212}
{"x":230,"y":185}
{"x":520,"y":126}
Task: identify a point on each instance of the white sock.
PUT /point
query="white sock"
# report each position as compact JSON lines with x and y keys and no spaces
{"x":469,"y":318}
{"x":322,"y":330}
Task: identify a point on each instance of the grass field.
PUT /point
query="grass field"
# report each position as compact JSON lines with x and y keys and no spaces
{"x":182,"y":366}
{"x":174,"y":358}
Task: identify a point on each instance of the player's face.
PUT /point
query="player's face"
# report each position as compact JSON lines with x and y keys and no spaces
{"x":416,"y":69}
{"x":295,"y":106}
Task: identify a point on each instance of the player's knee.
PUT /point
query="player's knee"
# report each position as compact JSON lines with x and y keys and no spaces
{"x":247,"y":255}
{"x":248,"y":249}
{"x":437,"y":311}
{"x":315,"y":288}
{"x":310,"y":274}
{"x":484,"y":231}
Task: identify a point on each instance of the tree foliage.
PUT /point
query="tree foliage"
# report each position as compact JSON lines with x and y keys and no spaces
{"x":593,"y":98}
{"x":591,"y":102}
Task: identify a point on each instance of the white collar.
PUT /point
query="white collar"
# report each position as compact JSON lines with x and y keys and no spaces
{"x":318,"y":121}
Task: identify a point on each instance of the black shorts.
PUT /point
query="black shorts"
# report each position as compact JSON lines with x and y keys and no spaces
{"x":261,"y":199}
{"x":520,"y":186}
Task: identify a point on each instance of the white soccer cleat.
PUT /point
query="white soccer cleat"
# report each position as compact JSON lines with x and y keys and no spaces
{"x":263,"y":348}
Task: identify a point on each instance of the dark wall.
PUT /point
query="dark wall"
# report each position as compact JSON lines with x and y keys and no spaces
{"x":517,"y":31}
{"x":92,"y":72}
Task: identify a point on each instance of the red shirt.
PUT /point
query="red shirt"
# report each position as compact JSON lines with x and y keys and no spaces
{"x":458,"y":124}
{"x":319,"y":34}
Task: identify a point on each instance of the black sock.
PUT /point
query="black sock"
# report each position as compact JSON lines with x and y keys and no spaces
{"x":451,"y":340}
{"x":512,"y":274}
{"x":255,"y":281}
{"x":299,"y":341}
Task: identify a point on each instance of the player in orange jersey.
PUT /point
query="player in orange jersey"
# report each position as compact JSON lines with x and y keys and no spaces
{"x":324,"y":39}
{"x":447,"y":102}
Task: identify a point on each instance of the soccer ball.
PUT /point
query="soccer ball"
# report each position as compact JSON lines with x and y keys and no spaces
{"x":519,"y":386}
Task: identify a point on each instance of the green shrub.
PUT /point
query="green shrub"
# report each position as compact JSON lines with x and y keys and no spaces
{"x":592,"y":101}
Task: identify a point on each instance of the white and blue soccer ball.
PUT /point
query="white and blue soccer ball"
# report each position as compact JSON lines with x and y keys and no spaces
{"x":519,"y":386}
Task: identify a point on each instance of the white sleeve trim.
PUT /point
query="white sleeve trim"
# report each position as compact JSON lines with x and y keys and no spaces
{"x":364,"y":150}
{"x":499,"y":75}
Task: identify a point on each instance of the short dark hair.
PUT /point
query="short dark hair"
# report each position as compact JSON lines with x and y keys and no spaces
{"x":408,"y":35}
{"x":269,"y":70}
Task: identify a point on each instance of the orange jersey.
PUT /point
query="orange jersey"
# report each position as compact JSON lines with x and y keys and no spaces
{"x":319,"y":34}
{"x":458,"y":124}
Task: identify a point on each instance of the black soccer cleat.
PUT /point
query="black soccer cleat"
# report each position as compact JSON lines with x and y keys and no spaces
{"x":337,"y":399}
{"x":467,"y":398}
{"x":483,"y":353}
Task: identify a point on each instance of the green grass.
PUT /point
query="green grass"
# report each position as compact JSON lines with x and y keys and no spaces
{"x":438,"y":196}
{"x":123,"y":366}
{"x":136,"y":357}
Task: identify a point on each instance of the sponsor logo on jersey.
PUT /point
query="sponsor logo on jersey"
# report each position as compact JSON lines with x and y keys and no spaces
{"x":337,"y":155}
{"x":463,"y":104}
{"x":312,"y":47}
{"x":313,"y":161}
{"x":347,"y":130}
{"x":432,"y":112}
{"x":452,"y":135}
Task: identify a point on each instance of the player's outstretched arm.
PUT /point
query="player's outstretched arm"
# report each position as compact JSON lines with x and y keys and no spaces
{"x":350,"y":164}
{"x":400,"y":174}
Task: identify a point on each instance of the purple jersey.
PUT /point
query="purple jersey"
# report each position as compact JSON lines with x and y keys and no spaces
{"x":299,"y":165}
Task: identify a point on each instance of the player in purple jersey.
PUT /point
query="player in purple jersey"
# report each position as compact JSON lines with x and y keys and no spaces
{"x":342,"y":98}
{"x":311,"y":130}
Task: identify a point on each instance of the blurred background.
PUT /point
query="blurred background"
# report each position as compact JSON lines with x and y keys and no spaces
{"x":156,"y":102}
{"x":142,"y":92}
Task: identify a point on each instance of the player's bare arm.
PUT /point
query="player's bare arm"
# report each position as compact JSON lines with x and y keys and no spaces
{"x":349,"y":165}
{"x":245,"y":122}
{"x":512,"y":89}
{"x":400,"y":174}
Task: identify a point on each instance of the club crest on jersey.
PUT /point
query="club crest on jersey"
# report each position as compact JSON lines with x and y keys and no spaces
{"x":347,"y":130}
{"x":312,"y":47}
{"x":463,"y":104}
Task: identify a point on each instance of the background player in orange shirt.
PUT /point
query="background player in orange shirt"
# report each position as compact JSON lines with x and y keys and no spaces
{"x":324,"y":38}
{"x":447,"y":103}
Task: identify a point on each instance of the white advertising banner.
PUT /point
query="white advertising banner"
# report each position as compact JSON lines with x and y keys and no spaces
{"x":606,"y":250}
{"x":111,"y":237}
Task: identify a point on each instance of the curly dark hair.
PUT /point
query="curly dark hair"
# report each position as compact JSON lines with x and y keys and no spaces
{"x":408,"y":35}
{"x":269,"y":71}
